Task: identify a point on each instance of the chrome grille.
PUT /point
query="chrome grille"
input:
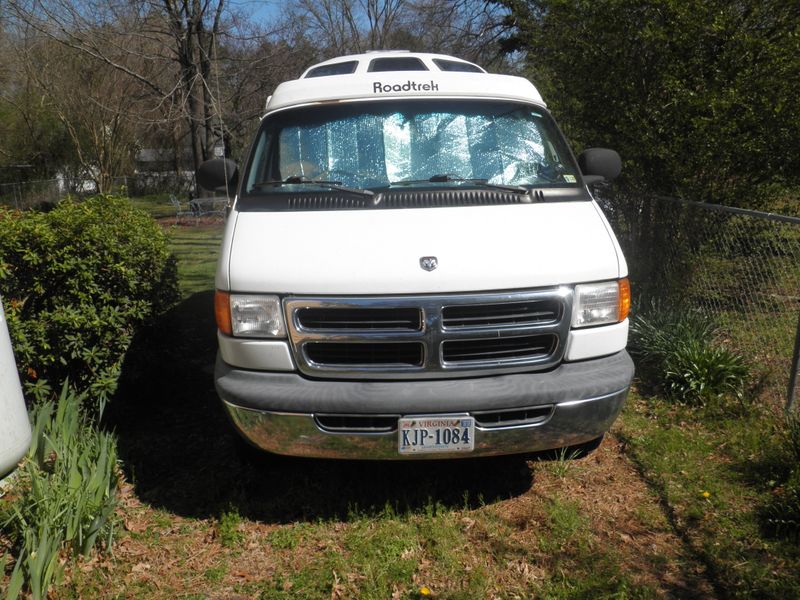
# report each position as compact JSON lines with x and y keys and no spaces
{"x":436,"y":336}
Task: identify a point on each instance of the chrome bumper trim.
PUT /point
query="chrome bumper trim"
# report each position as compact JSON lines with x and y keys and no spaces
{"x":297,"y":434}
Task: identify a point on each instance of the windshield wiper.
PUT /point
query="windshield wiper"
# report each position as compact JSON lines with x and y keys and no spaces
{"x":444,"y":178}
{"x":333,"y":185}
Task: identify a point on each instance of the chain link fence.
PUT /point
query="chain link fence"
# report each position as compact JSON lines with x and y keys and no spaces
{"x":35,"y":194}
{"x":740,"y":268}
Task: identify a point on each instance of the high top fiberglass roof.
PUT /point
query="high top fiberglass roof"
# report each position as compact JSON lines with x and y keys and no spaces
{"x":397,"y":73}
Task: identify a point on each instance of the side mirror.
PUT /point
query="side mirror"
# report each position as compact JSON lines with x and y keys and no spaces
{"x":218,"y":174}
{"x":598,"y":164}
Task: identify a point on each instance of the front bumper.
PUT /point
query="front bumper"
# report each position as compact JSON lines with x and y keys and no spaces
{"x":277,"y":411}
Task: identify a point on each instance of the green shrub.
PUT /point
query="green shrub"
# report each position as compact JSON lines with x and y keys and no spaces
{"x":676,"y":354}
{"x":77,"y":282}
{"x":67,"y":493}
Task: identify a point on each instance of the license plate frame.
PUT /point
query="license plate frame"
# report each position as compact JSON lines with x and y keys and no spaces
{"x":434,"y":434}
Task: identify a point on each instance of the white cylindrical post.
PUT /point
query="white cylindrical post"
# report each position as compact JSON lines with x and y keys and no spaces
{"x":15,"y":429}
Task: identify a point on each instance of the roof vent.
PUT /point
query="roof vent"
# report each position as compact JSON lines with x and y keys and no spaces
{"x":396,"y":63}
{"x":340,"y":68}
{"x":457,"y":66}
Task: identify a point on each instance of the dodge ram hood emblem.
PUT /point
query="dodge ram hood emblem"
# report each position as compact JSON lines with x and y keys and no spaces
{"x":429,"y":263}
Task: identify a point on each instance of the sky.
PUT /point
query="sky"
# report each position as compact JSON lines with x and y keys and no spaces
{"x":261,"y":10}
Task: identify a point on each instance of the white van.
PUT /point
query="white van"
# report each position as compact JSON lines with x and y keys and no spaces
{"x":414,"y":267}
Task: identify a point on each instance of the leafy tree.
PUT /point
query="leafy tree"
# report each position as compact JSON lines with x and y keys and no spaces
{"x":33,"y":142}
{"x":168,"y":55}
{"x":699,"y":96}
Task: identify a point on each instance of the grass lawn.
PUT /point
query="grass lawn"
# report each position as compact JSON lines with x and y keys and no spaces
{"x":714,"y":472}
{"x":201,"y":518}
{"x":196,"y":247}
{"x":157,"y":205}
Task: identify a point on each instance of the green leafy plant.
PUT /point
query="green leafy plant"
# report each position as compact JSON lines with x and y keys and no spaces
{"x":67,"y":496}
{"x":676,"y":354}
{"x":77,"y":282}
{"x":700,"y":373}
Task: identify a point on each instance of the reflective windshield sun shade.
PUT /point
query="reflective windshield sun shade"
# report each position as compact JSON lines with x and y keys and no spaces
{"x":376,"y":144}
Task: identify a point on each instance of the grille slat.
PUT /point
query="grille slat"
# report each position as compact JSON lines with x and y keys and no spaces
{"x":515,"y":317}
{"x":522,"y":313}
{"x":368,"y":354}
{"x":498,"y":349}
{"x":360,"y":318}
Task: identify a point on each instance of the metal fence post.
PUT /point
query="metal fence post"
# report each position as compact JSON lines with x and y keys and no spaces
{"x":794,"y":373}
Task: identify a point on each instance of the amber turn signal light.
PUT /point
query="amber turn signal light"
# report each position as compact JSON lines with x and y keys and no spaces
{"x":624,"y":307}
{"x":222,"y":312}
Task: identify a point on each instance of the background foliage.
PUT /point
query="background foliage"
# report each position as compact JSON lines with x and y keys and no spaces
{"x":698,"y":96}
{"x":76,"y":282}
{"x":196,"y":83}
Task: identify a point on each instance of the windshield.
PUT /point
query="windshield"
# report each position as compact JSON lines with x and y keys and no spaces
{"x":430,"y":143}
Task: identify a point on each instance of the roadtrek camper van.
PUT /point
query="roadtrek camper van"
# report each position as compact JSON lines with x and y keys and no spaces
{"x":414,"y":267}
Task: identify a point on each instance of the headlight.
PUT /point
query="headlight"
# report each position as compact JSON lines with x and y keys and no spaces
{"x":249,"y":315}
{"x":601,"y":303}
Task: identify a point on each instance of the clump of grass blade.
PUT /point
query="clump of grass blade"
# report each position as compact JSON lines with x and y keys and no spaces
{"x":677,"y":354}
{"x":228,"y":529}
{"x":68,"y":485}
{"x":781,"y":515}
{"x":703,"y":372}
{"x":562,"y":460}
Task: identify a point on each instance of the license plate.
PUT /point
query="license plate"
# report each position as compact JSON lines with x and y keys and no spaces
{"x":419,"y":435}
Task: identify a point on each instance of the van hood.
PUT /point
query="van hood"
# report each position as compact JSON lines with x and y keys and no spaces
{"x":361,"y":252}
